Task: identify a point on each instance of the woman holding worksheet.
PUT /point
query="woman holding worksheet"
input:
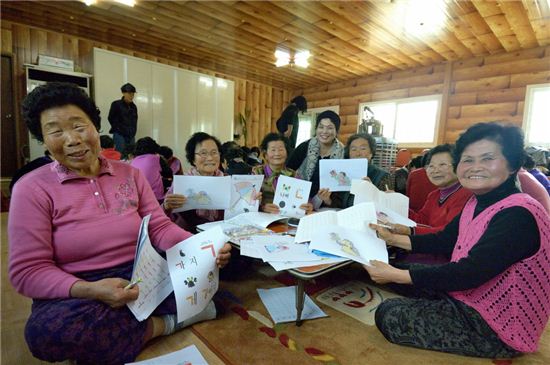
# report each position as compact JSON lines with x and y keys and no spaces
{"x":72,"y":232}
{"x":493,"y":298}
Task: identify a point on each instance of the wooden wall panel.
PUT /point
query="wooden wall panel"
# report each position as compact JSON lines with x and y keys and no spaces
{"x":479,"y":89}
{"x":25,"y":43}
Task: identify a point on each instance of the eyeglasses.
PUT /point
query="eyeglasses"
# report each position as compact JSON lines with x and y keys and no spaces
{"x":205,"y":154}
{"x":440,"y":167}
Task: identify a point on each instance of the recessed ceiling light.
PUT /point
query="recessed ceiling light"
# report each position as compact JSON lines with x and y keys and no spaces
{"x":126,"y":2}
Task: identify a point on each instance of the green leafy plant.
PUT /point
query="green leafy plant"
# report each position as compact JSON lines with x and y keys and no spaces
{"x":242,"y":120}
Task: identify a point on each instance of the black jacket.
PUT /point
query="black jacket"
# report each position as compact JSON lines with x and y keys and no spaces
{"x":123,"y":118}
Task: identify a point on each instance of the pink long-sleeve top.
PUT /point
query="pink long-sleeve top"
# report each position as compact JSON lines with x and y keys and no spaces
{"x":61,"y":224}
{"x":149,"y":165}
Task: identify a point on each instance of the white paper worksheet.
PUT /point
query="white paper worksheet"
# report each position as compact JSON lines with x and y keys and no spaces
{"x":336,"y":175}
{"x":203,"y":192}
{"x":152,"y":270}
{"x":365,"y":191}
{"x":193,"y":270}
{"x":353,"y":217}
{"x":360,"y":246}
{"x":290,"y":194}
{"x":186,"y":356}
{"x":244,"y":189}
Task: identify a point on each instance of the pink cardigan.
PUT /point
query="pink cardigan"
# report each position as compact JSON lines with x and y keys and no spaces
{"x":61,"y":224}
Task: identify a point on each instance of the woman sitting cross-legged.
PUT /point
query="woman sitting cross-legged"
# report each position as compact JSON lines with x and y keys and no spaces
{"x":72,"y":232}
{"x":275,"y":150}
{"x":493,"y":298}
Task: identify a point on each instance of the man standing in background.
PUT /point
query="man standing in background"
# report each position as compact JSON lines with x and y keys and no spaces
{"x":288,"y":122}
{"x":123,"y":118}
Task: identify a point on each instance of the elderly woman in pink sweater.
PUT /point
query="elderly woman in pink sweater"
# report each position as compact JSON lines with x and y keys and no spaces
{"x":72,"y":232}
{"x":493,"y":298}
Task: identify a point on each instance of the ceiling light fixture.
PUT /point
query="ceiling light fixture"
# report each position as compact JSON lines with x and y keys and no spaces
{"x":283,"y":58}
{"x":130,"y":3}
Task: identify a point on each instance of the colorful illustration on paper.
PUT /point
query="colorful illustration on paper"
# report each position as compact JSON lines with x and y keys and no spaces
{"x":340,"y":177}
{"x":276,"y":247}
{"x":200,"y":198}
{"x":345,"y":244}
{"x":337,"y":175}
{"x":244,"y":190}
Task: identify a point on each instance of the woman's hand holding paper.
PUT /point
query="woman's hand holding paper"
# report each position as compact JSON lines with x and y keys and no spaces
{"x":110,"y":291}
{"x":174,"y":201}
{"x":308,"y":207}
{"x":224,"y":254}
{"x":383,"y":273}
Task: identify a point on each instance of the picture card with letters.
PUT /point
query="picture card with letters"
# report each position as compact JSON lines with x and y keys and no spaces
{"x":195,"y":276}
{"x":290,"y":194}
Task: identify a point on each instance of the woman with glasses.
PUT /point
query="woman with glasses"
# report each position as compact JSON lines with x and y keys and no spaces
{"x":442,"y":204}
{"x":493,"y":298}
{"x":203,"y":153}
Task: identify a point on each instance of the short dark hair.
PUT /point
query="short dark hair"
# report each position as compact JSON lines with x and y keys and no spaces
{"x":53,"y":95}
{"x":146,"y":145}
{"x":442,"y":148}
{"x":129,"y":150}
{"x":194,"y":140}
{"x":166,"y":152}
{"x":301,"y":102}
{"x":509,"y":137}
{"x":367,"y":137}
{"x":416,"y":162}
{"x":106,"y":141}
{"x":255,"y":149}
{"x":329,"y":114}
{"x":528,"y":162}
{"x":273,"y":137}
{"x":231,"y":152}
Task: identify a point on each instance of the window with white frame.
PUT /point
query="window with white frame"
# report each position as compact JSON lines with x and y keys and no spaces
{"x":410,"y":121}
{"x":536,"y":115}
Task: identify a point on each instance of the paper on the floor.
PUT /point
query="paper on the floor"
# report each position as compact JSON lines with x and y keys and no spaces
{"x":186,"y":356}
{"x":281,"y":304}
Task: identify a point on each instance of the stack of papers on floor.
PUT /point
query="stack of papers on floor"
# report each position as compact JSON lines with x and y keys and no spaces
{"x":281,"y":305}
{"x":281,"y":252}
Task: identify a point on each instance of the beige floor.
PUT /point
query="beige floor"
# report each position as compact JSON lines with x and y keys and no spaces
{"x":16,"y":308}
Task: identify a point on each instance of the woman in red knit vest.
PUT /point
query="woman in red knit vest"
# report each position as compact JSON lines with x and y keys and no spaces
{"x":493,"y":298}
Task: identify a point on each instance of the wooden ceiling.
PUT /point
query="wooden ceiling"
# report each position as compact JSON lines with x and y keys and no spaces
{"x":347,"y":39}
